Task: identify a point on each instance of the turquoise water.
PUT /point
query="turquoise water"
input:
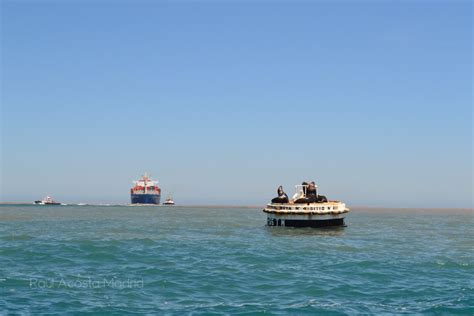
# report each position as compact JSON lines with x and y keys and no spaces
{"x":90,"y":259}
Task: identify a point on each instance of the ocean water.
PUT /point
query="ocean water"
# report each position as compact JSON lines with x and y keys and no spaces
{"x":164,"y":260}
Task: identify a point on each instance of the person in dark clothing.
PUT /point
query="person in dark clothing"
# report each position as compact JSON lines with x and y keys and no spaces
{"x":282,"y":197}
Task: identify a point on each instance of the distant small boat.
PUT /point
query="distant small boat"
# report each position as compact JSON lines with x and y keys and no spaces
{"x":169,"y":201}
{"x":47,"y":201}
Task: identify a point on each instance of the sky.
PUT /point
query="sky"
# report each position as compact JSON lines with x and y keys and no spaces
{"x":224,"y":101}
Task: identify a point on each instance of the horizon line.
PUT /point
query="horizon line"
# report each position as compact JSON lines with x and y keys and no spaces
{"x":252,"y":206}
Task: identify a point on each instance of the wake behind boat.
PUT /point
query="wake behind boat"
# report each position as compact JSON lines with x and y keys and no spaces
{"x":306,"y":209}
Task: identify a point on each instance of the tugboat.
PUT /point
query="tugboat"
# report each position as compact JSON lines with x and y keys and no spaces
{"x":145,"y":191}
{"x":169,"y":201}
{"x":47,"y":201}
{"x":306,"y":209}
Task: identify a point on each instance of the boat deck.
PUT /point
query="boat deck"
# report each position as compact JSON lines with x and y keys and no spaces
{"x":324,"y":208}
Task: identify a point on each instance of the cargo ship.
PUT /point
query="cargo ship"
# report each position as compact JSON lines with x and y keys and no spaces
{"x":145,"y":191}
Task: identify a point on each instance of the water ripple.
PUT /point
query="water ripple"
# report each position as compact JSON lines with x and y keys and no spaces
{"x":200,"y":261}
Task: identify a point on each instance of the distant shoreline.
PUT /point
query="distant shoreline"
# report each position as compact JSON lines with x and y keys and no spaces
{"x":353,"y":208}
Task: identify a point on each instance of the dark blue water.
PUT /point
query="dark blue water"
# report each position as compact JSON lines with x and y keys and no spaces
{"x":81,"y":259}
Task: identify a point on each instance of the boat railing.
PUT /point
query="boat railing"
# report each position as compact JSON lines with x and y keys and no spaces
{"x":301,"y":188}
{"x":300,"y":191}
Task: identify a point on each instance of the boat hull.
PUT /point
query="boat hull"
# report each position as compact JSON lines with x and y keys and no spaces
{"x":45,"y":203}
{"x":327,"y":214}
{"x":145,"y":199}
{"x":314,"y":221}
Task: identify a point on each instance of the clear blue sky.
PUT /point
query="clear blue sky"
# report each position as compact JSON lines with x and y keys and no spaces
{"x":224,"y":102}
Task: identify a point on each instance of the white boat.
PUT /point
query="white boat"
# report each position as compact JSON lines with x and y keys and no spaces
{"x":305,"y":210}
{"x":169,"y":201}
{"x":47,"y":201}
